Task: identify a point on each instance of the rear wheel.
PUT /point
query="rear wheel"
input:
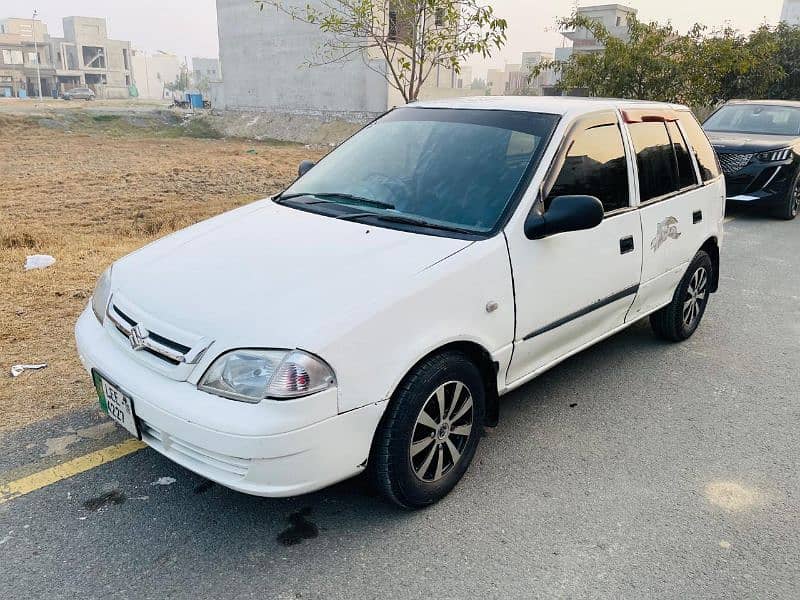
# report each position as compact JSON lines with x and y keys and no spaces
{"x":679,"y":320}
{"x":791,"y":205}
{"x":430,"y":432}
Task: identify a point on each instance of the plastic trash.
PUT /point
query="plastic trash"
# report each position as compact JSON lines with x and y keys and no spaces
{"x":18,"y":370}
{"x":39,"y":261}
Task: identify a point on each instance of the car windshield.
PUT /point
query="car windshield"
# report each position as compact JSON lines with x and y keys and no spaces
{"x":443,"y":167}
{"x":756,"y":118}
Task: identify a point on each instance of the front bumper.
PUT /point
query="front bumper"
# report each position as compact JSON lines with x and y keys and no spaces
{"x":761,"y":183}
{"x":245,"y":453}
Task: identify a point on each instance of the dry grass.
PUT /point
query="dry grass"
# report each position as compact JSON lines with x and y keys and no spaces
{"x":88,"y":196}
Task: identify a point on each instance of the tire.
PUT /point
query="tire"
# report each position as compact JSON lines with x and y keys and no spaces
{"x":791,"y":204}
{"x":673,"y":323}
{"x":416,"y":476}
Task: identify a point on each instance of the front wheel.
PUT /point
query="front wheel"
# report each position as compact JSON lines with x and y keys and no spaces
{"x":679,"y":320}
{"x":430,"y":432}
{"x":791,"y":205}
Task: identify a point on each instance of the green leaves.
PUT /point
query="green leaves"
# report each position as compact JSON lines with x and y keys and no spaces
{"x":699,"y":68}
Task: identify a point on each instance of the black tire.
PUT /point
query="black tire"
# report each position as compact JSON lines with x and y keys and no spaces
{"x":791,"y":205}
{"x":393,"y":469}
{"x":671,"y":322}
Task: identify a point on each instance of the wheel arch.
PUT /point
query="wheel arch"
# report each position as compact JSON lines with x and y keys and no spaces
{"x":711,"y":247}
{"x":482,"y":359}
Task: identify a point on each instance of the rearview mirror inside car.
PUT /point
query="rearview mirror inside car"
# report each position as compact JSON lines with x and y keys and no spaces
{"x":566,"y":213}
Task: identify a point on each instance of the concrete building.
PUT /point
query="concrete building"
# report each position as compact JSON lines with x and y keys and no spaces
{"x":153,"y":72}
{"x":205,"y":71}
{"x":613,"y":16}
{"x":791,"y":12}
{"x":263,"y":57}
{"x":86,"y":56}
{"x":24,"y":44}
{"x":547,"y":78}
{"x":496,"y":80}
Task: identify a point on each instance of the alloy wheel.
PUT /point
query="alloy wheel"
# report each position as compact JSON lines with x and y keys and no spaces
{"x":441,"y":432}
{"x":795,"y":208}
{"x":696,"y":295}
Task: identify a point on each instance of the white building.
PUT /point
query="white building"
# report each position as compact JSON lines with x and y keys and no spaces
{"x":791,"y":12}
{"x":153,"y":72}
{"x":613,"y":16}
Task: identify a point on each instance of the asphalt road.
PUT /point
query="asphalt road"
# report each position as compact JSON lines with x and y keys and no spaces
{"x":637,"y":469}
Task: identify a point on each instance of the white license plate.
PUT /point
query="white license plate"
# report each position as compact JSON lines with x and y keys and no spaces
{"x":118,"y":405}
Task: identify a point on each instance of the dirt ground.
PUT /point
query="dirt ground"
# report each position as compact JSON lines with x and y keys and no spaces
{"x":88,"y":189}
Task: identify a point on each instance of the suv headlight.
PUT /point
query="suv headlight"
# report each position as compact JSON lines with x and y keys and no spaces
{"x":775,"y":155}
{"x":101,"y":295}
{"x":254,"y":375}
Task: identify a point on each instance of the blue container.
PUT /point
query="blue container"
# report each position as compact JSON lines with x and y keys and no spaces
{"x":195,"y":100}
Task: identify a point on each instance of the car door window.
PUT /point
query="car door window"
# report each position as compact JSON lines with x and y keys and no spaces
{"x":686,"y":173}
{"x":706,"y":158}
{"x":595,"y":165}
{"x":655,"y":157}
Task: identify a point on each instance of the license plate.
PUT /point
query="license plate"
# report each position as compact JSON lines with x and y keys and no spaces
{"x":117,"y":405}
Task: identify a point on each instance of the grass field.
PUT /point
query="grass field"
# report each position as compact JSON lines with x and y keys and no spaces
{"x":89,"y":189}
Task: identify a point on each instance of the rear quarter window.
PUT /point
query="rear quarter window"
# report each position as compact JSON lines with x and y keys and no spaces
{"x":706,"y":157}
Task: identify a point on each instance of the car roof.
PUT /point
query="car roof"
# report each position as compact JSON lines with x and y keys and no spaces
{"x":790,"y":103}
{"x":559,"y":105}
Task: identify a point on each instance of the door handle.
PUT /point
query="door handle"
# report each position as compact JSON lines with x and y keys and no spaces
{"x":626,"y":245}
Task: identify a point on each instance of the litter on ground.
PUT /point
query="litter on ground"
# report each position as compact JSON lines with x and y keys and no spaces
{"x":18,"y":370}
{"x":164,"y":481}
{"x":39,"y":261}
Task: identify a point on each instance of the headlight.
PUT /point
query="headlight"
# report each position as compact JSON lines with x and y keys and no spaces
{"x":101,"y":295}
{"x":254,"y":375}
{"x":775,"y":155}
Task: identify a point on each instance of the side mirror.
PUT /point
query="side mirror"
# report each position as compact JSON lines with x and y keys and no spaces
{"x":305,"y":167}
{"x":566,"y":213}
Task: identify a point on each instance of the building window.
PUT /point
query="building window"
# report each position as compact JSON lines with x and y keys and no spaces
{"x":619,"y":21}
{"x":439,"y":17}
{"x":12,"y":57}
{"x":125,"y":59}
{"x":33,"y":58}
{"x":94,"y":57}
{"x":392,"y":25}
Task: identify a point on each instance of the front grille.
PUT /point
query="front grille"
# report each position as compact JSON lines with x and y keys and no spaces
{"x":733,"y":163}
{"x":155,"y":344}
{"x":193,"y":456}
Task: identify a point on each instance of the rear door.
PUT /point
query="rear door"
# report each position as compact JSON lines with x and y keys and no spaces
{"x":573,"y":288}
{"x":677,"y":209}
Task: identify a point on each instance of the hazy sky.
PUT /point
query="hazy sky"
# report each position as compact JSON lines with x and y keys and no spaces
{"x":189,"y":27}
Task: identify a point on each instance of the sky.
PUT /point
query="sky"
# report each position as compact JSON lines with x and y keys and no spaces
{"x":189,"y":27}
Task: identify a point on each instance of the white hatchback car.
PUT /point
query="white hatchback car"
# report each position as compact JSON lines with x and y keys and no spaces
{"x":370,"y":316}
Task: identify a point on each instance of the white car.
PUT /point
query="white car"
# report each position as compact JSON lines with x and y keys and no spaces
{"x":370,"y":316}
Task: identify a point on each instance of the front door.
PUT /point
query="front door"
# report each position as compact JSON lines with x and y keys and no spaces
{"x":573,"y":288}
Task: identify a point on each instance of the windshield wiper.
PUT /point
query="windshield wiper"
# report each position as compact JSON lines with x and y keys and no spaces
{"x":405,"y":220}
{"x":328,"y":196}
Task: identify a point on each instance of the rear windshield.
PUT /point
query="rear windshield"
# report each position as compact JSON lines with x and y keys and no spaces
{"x":756,"y":118}
{"x":450,"y":167}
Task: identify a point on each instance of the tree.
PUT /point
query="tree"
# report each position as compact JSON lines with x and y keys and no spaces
{"x":182,"y":81}
{"x":699,"y":68}
{"x":402,"y":40}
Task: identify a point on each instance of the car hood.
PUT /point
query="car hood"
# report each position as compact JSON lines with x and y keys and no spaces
{"x":748,"y":143}
{"x":269,"y":275}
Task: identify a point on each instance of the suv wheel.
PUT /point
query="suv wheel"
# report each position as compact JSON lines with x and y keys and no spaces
{"x":678,"y":320}
{"x":430,"y":432}
{"x":791,"y":206}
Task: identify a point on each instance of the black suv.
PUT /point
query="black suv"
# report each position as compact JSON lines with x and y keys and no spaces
{"x":758,"y":144}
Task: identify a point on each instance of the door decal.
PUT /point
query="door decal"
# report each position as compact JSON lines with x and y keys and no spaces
{"x":668,"y":228}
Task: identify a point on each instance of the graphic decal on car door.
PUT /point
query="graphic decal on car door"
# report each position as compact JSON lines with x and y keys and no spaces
{"x":668,"y":228}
